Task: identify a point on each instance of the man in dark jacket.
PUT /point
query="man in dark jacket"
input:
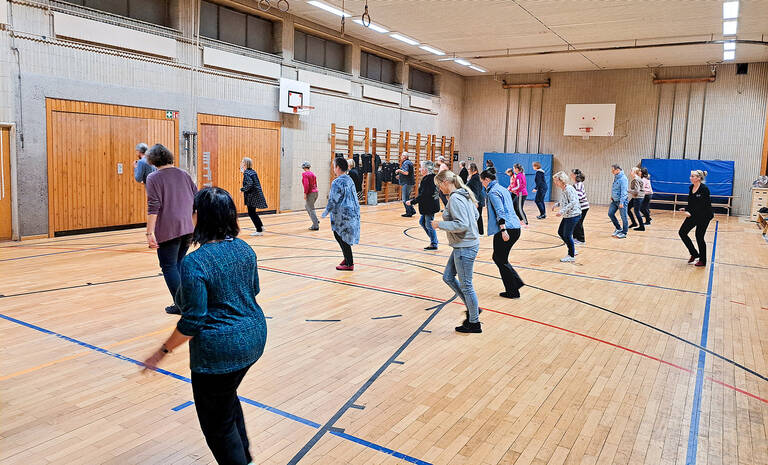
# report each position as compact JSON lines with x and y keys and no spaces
{"x":476,"y":186}
{"x":428,"y":201}
{"x":463,"y":173}
{"x":540,"y":189}
{"x":406,"y":181}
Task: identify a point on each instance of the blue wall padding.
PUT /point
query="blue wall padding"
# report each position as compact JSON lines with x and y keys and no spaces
{"x":502,"y":161}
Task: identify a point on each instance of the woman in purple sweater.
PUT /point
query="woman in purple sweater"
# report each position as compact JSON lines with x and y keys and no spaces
{"x":170,"y":195}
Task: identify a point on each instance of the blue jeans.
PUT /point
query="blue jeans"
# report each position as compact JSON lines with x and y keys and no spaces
{"x":406,"y":190}
{"x":426,"y":222}
{"x":462,"y":262}
{"x":612,"y":215}
{"x":566,"y":232}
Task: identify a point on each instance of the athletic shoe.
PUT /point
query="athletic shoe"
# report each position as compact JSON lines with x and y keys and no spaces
{"x":314,"y":228}
{"x":633,"y":225}
{"x":346,"y":268}
{"x":616,"y":232}
{"x":468,"y":327}
{"x":173,"y":310}
{"x":692,"y":259}
{"x":639,"y":228}
{"x":431,"y":247}
{"x":567,"y":259}
{"x":648,"y":222}
{"x":510,"y":295}
{"x":578,"y":242}
{"x":575,"y":252}
{"x":621,"y":235}
{"x":257,"y":233}
{"x":700,"y":263}
{"x":406,"y":215}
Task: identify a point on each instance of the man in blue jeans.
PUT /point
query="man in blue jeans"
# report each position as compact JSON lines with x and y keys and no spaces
{"x":406,"y":180}
{"x":619,"y":200}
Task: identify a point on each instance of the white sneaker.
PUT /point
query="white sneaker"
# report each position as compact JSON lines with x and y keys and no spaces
{"x":575,"y":252}
{"x":615,"y":233}
{"x":257,"y":233}
{"x":577,"y":242}
{"x":621,"y":235}
{"x":567,"y":259}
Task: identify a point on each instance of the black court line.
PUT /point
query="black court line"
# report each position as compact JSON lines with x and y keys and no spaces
{"x":322,"y":321}
{"x":385,"y":317}
{"x":76,"y":286}
{"x":407,"y":230}
{"x":352,"y":400}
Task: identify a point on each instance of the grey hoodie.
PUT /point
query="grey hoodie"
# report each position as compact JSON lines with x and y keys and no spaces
{"x":460,"y":220}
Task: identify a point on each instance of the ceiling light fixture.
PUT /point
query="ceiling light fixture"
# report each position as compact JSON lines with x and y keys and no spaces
{"x":477,"y":68}
{"x":729,"y":55}
{"x":403,"y":38}
{"x":432,"y":50}
{"x":730,"y":10}
{"x":729,"y":45}
{"x":373,"y":26}
{"x":729,"y":27}
{"x":462,"y":62}
{"x":329,"y":8}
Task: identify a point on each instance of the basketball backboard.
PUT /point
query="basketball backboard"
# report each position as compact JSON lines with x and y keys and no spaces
{"x":587,"y":120}
{"x":294,"y":96}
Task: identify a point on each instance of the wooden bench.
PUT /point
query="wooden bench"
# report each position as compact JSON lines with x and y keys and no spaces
{"x":681,"y":200}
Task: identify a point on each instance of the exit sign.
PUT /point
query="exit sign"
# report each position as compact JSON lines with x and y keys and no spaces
{"x":169,"y":114}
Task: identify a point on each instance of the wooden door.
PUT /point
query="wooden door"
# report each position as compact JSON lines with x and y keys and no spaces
{"x":225,"y":141}
{"x":91,"y":150}
{"x":6,"y":230}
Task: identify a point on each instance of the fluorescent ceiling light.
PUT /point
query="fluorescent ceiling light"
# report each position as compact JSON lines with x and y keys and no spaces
{"x":403,"y":38}
{"x":462,"y":62}
{"x":729,"y":45}
{"x":373,"y":26}
{"x":729,"y":27}
{"x":477,"y":68}
{"x":329,"y":8}
{"x":729,"y":55}
{"x":432,"y":50}
{"x":730,"y":10}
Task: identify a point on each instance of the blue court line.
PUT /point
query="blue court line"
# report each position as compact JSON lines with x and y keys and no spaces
{"x":183,"y":406}
{"x":693,"y":434}
{"x":246,"y":400}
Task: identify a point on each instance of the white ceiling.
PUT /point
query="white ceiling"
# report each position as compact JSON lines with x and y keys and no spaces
{"x":514,"y":31}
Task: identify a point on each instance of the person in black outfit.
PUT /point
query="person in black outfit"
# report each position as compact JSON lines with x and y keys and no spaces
{"x":428,"y":201}
{"x":699,"y":214}
{"x":540,"y":189}
{"x":476,"y":186}
{"x":463,"y":173}
{"x":254,"y":196}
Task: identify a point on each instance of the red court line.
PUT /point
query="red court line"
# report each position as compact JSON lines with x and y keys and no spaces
{"x":530,"y":320}
{"x":740,"y":303}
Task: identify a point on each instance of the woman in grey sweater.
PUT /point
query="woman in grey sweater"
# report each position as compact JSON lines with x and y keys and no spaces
{"x":570,"y":211}
{"x":460,"y":224}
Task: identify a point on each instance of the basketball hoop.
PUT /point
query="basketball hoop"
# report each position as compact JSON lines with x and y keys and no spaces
{"x":585,"y":131}
{"x":302,"y":109}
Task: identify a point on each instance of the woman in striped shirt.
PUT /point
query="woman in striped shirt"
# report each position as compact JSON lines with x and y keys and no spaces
{"x":578,"y":184}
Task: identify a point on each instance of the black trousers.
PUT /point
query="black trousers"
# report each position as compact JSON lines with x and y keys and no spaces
{"x":701,"y":229}
{"x":501,"y":248}
{"x":539,"y":201}
{"x":578,"y":230}
{"x":480,"y":220}
{"x":636,"y":206}
{"x":346,"y":249}
{"x":255,"y":218}
{"x":169,"y":254}
{"x":221,"y":416}
{"x":645,"y":208}
{"x":519,"y":204}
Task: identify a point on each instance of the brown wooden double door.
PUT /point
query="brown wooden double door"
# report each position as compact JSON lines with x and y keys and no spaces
{"x":91,"y":150}
{"x":225,"y":141}
{"x":6,"y":228}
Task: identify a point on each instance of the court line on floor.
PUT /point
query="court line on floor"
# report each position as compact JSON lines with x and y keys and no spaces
{"x":179,"y":377}
{"x":693,"y":434}
{"x":352,"y":400}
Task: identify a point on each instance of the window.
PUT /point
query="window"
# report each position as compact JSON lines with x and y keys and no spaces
{"x":150,"y":11}
{"x":421,"y":81}
{"x":378,"y":68}
{"x":319,"y":51}
{"x":231,"y":26}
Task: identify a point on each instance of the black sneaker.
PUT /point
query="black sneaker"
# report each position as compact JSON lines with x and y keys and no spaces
{"x":173,"y":310}
{"x":314,"y":228}
{"x":639,"y":228}
{"x":510,"y":295}
{"x":431,"y":247}
{"x":406,"y":215}
{"x":468,"y":327}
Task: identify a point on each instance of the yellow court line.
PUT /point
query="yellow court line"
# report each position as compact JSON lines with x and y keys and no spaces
{"x":80,"y":354}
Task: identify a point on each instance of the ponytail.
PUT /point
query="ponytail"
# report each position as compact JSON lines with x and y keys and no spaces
{"x":458,"y":183}
{"x":700,"y":174}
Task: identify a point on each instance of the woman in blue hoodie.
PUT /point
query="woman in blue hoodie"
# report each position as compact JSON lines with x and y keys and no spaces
{"x":460,"y":224}
{"x":504,"y":226}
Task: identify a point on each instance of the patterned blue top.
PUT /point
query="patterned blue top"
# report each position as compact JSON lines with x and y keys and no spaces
{"x":217,"y":298}
{"x":344,"y":208}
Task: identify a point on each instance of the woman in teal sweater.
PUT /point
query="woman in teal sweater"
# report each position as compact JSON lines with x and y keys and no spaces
{"x":221,"y":320}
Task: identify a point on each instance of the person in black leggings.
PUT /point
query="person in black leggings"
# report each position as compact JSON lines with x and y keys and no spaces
{"x":344,"y":208}
{"x":699,"y":214}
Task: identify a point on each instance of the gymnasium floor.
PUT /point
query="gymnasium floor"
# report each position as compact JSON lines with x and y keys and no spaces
{"x":598,"y":362}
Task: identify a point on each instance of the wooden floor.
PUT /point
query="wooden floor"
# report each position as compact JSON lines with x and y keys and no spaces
{"x":598,"y":362}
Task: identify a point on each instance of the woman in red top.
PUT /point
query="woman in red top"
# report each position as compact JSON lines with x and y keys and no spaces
{"x":309,"y":181}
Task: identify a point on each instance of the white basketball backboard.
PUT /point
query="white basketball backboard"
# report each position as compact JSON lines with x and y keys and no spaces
{"x":293,"y":94}
{"x":588,"y":120}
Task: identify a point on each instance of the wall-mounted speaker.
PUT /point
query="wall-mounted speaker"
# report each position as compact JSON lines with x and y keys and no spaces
{"x":742,"y":68}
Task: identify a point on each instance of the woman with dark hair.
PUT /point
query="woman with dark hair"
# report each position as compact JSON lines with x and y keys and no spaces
{"x":476,"y":186}
{"x":698,"y":214}
{"x":428,"y":201}
{"x":645,"y":208}
{"x":490,"y":166}
{"x":504,"y":226}
{"x":253,"y":195}
{"x":578,"y":185}
{"x":637,"y":195}
{"x":221,"y":320}
{"x":521,"y":192}
{"x":344,"y":208}
{"x":170,"y":194}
